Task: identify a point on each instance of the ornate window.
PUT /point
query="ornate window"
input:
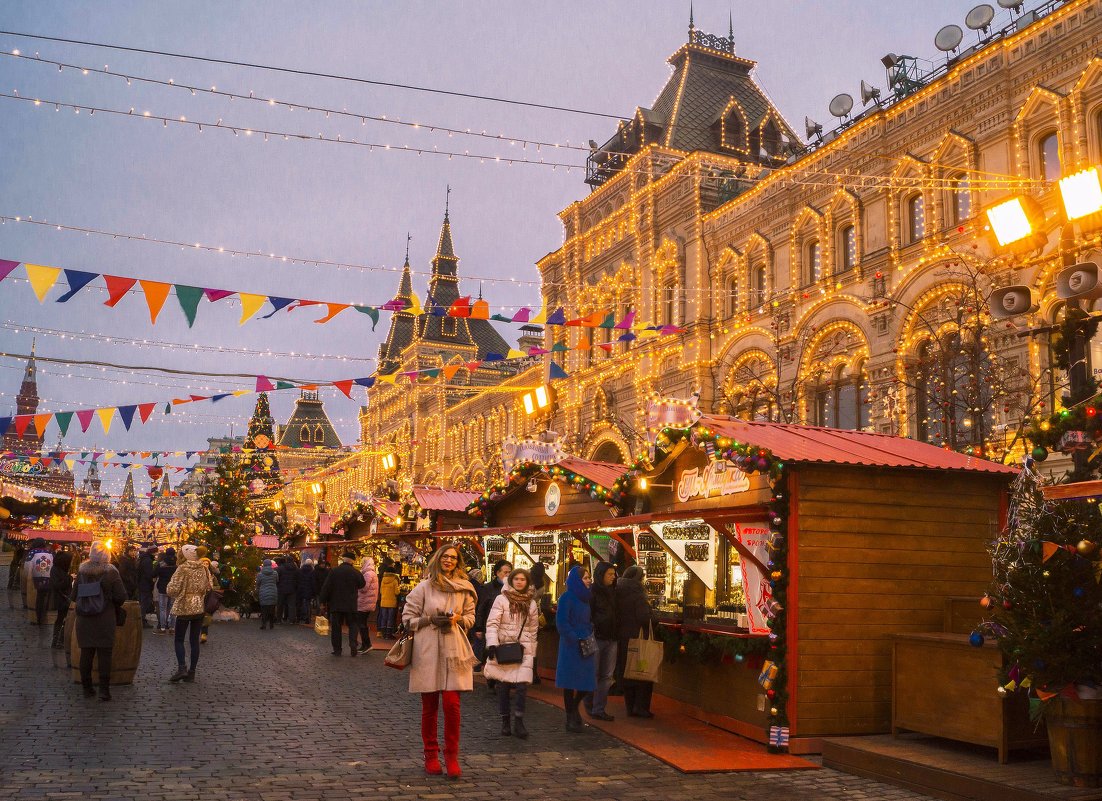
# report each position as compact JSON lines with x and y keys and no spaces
{"x":847,"y":247}
{"x":319,"y":434}
{"x":1048,"y":151}
{"x":813,"y":262}
{"x":771,"y":136}
{"x":961,"y":199}
{"x":669,"y":304}
{"x":730,"y":297}
{"x":841,"y":402}
{"x":758,"y":285}
{"x":952,"y":393}
{"x":915,"y":208}
{"x":304,"y":434}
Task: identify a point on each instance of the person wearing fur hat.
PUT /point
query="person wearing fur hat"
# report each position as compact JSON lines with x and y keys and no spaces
{"x":514,"y":618}
{"x":267,"y":593}
{"x":340,"y":594}
{"x":367,"y":599}
{"x":188,"y":590}
{"x":438,"y":613}
{"x":96,"y":633}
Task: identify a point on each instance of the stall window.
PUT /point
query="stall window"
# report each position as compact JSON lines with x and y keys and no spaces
{"x":814,"y":256}
{"x":730,"y":595}
{"x":847,"y":241}
{"x":1048,"y":147}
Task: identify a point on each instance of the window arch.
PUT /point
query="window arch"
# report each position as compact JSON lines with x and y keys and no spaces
{"x":304,"y":434}
{"x":914,"y":208}
{"x":847,"y":248}
{"x":319,"y":434}
{"x":730,"y":297}
{"x":669,"y":304}
{"x":771,"y":136}
{"x":1048,"y":154}
{"x":953,"y":398}
{"x":813,"y":262}
{"x":759,"y":284}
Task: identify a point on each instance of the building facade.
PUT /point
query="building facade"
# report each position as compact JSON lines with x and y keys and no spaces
{"x":838,"y":282}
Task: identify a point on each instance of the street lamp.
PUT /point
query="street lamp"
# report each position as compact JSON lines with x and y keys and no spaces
{"x":1081,"y":193}
{"x":1017,"y":223}
{"x":537,"y":400}
{"x":390,"y":462}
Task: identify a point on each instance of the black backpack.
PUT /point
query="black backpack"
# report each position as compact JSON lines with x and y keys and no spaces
{"x":90,"y":600}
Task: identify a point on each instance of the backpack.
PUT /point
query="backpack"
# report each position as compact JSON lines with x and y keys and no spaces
{"x":90,"y":600}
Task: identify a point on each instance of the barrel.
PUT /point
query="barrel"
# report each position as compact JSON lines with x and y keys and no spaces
{"x":127,"y":652}
{"x":32,"y":598}
{"x":1075,"y":739}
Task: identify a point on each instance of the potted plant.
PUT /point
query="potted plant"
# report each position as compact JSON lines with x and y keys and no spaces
{"x":1045,"y":606}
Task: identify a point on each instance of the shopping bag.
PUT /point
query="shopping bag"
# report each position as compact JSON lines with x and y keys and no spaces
{"x":400,"y":654}
{"x":644,"y":657}
{"x":321,"y":625}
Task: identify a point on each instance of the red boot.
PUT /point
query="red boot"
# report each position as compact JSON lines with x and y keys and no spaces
{"x":429,"y":707}
{"x":451,"y":734}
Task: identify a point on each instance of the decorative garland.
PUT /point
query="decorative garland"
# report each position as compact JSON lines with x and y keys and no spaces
{"x":521,"y":473}
{"x":360,"y":513}
{"x":714,"y":649}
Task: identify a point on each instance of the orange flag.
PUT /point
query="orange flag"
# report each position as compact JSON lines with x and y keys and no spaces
{"x":450,"y":371}
{"x":1048,"y":549}
{"x":155,"y":295}
{"x":40,"y":423}
{"x":334,"y":310}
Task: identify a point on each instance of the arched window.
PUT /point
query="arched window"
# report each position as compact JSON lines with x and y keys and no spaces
{"x":730,"y":297}
{"x":319,"y":434}
{"x":847,"y":244}
{"x":916,"y":217}
{"x":758,"y":285}
{"x":813,"y":257}
{"x":771,"y":138}
{"x":669,"y":304}
{"x":953,"y":395}
{"x":1048,"y":148}
{"x":962,"y":199}
{"x":304,"y":434}
{"x":843,"y":402}
{"x":734,"y":130}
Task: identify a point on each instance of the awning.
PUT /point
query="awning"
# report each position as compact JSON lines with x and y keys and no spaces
{"x":53,"y":536}
{"x":269,"y":542}
{"x":437,"y":499}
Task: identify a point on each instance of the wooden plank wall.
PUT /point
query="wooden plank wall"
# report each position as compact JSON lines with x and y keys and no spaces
{"x":879,"y":552}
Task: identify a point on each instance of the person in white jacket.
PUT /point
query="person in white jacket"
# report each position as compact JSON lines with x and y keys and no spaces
{"x":514,"y":618}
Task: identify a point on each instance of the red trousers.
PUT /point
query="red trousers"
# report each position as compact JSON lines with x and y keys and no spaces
{"x":429,"y":709}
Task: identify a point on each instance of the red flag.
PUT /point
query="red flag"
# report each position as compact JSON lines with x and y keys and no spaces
{"x":117,"y":288}
{"x":461,"y":308}
{"x":85,"y":418}
{"x":345,"y":387}
{"x":146,"y":409}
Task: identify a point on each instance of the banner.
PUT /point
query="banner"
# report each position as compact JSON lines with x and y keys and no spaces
{"x":534,"y":451}
{"x":694,"y":543}
{"x":671,"y":412}
{"x":755,"y":536}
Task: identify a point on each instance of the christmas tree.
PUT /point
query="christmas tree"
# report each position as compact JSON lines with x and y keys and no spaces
{"x":261,"y":465}
{"x":225,"y":523}
{"x":1045,"y":597}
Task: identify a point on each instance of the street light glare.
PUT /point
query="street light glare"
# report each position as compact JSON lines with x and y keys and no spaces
{"x":529,"y":404}
{"x":1010,"y":221}
{"x":1082,"y":194}
{"x":541,"y":397}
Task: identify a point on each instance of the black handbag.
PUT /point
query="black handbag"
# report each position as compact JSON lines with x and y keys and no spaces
{"x":512,"y":653}
{"x":587,"y":646}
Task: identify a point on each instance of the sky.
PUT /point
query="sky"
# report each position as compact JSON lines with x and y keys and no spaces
{"x":340,"y":203}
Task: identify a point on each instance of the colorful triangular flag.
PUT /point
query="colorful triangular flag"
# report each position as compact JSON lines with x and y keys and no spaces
{"x":105,"y":416}
{"x":156,"y":292}
{"x":77,"y":279}
{"x":117,"y":287}
{"x":188,"y":297}
{"x":250,"y":305}
{"x":42,"y":278}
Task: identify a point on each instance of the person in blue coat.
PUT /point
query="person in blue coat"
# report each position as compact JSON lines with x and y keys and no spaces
{"x":267,"y":592}
{"x":575,"y":674}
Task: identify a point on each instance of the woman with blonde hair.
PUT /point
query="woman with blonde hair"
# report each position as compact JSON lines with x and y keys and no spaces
{"x":188,"y":590}
{"x":438,"y":613}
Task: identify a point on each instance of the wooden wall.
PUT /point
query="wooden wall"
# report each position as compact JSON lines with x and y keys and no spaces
{"x":878,"y":552}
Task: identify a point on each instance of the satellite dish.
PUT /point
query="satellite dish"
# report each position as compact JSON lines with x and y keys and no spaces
{"x":948,"y":38}
{"x":869,"y":93}
{"x":812,"y":128}
{"x":1013,"y":5}
{"x":979,"y":18}
{"x":841,"y":105}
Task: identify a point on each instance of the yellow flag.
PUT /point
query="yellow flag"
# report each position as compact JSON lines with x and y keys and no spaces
{"x":388,"y":379}
{"x":415,"y":305}
{"x":237,"y":394}
{"x":515,"y":354}
{"x":42,"y":278}
{"x":540,"y":318}
{"x":250,"y":305}
{"x":105,"y":416}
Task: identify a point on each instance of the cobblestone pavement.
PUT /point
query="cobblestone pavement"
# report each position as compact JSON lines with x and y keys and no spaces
{"x":274,"y":716}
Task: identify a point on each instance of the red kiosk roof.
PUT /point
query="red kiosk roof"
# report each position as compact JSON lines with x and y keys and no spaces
{"x":443,"y":500}
{"x":795,"y":443}
{"x":603,"y":474}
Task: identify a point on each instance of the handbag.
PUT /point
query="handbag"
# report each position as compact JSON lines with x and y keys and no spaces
{"x":400,"y":655}
{"x":212,"y":601}
{"x":321,"y":625}
{"x":512,"y":653}
{"x":587,"y":646}
{"x":644,"y":657}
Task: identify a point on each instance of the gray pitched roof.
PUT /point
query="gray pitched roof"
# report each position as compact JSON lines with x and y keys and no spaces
{"x":309,"y":412}
{"x":402,"y":328}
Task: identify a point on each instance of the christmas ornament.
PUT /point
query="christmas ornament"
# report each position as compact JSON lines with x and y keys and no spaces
{"x":1040,"y":453}
{"x":1086,"y":547}
{"x":975,"y":639}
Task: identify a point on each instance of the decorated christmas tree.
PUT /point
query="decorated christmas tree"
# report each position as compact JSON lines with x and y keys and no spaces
{"x":1045,"y":603}
{"x":261,"y":465}
{"x":225,"y":524}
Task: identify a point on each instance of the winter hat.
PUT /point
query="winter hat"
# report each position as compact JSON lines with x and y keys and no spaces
{"x":267,"y":563}
{"x":214,"y":564}
{"x":634,"y":573}
{"x":190,"y":552}
{"x":201,"y":552}
{"x":348,"y":556}
{"x":99,"y":553}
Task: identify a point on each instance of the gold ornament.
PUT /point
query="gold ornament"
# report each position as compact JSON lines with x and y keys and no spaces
{"x":1086,"y":547}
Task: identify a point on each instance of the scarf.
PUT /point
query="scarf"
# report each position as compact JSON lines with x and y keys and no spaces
{"x":456,"y":648}
{"x":519,"y":602}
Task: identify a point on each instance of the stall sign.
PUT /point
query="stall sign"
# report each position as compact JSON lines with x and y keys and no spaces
{"x":756,"y":537}
{"x":711,"y":481}
{"x":552,"y":500}
{"x":671,"y":413}
{"x":21,"y":467}
{"x":325,"y":523}
{"x":532,"y":451}
{"x":424,"y":523}
{"x":694,"y":543}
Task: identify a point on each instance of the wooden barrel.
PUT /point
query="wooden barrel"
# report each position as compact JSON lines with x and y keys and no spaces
{"x":126,"y":654}
{"x":32,"y":598}
{"x":1075,"y":738}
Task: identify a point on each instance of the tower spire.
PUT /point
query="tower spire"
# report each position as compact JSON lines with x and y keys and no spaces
{"x":731,"y":26}
{"x":692,"y":26}
{"x":408,"y":238}
{"x":447,"y":201}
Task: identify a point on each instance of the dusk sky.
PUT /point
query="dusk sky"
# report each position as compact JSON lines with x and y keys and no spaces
{"x":334,"y":202}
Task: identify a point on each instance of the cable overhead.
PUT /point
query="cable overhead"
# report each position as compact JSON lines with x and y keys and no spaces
{"x":317,"y":74}
{"x":145,"y":368}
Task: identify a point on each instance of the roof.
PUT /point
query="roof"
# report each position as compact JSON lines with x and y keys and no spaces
{"x":812,"y":444}
{"x":403,"y":327}
{"x":268,"y":542}
{"x":603,"y":474}
{"x":443,"y":500}
{"x":310,"y":412}
{"x":386,"y":508}
{"x":52,"y":536}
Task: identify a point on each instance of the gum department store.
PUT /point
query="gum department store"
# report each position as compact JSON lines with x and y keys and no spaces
{"x":823,"y":283}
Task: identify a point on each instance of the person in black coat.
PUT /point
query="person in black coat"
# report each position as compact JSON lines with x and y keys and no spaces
{"x":145,"y":584}
{"x":304,"y":588}
{"x":286,"y":611}
{"x":321,"y":573}
{"x":602,"y":611}
{"x":164,"y":571}
{"x":487,"y":594}
{"x":340,"y":595}
{"x":61,"y":584}
{"x":633,"y":615}
{"x":96,"y":633}
{"x":128,"y":570}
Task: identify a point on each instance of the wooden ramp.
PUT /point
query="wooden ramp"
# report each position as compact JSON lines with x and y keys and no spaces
{"x":951,"y":770}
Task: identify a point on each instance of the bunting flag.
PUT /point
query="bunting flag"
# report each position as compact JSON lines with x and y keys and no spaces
{"x":278,"y":304}
{"x":84,"y":417}
{"x":188,"y":297}
{"x":6,"y":266}
{"x":42,"y":279}
{"x":215,"y":295}
{"x":333,"y":310}
{"x":77,"y":280}
{"x":345,"y":387}
{"x":263,"y":384}
{"x":105,"y":416}
{"x":250,"y":305}
{"x":155,"y":295}
{"x":117,"y":288}
{"x":126,"y":414}
{"x":40,"y":423}
{"x":63,"y":420}
{"x":557,"y":372}
{"x":145,"y":409}
{"x":21,"y":423}
{"x":371,"y":312}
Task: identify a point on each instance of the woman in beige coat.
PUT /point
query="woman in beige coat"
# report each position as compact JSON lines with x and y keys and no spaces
{"x":438,"y":613}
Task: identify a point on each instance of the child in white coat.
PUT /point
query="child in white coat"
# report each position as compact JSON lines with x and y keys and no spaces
{"x":514,"y":618}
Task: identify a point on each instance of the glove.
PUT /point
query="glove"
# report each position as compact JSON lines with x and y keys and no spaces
{"x":423,"y":621}
{"x":440,"y":620}
{"x":491,"y":652}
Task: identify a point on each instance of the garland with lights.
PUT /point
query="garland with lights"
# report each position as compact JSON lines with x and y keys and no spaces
{"x":713,"y":649}
{"x":521,"y":473}
{"x":359,"y":513}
